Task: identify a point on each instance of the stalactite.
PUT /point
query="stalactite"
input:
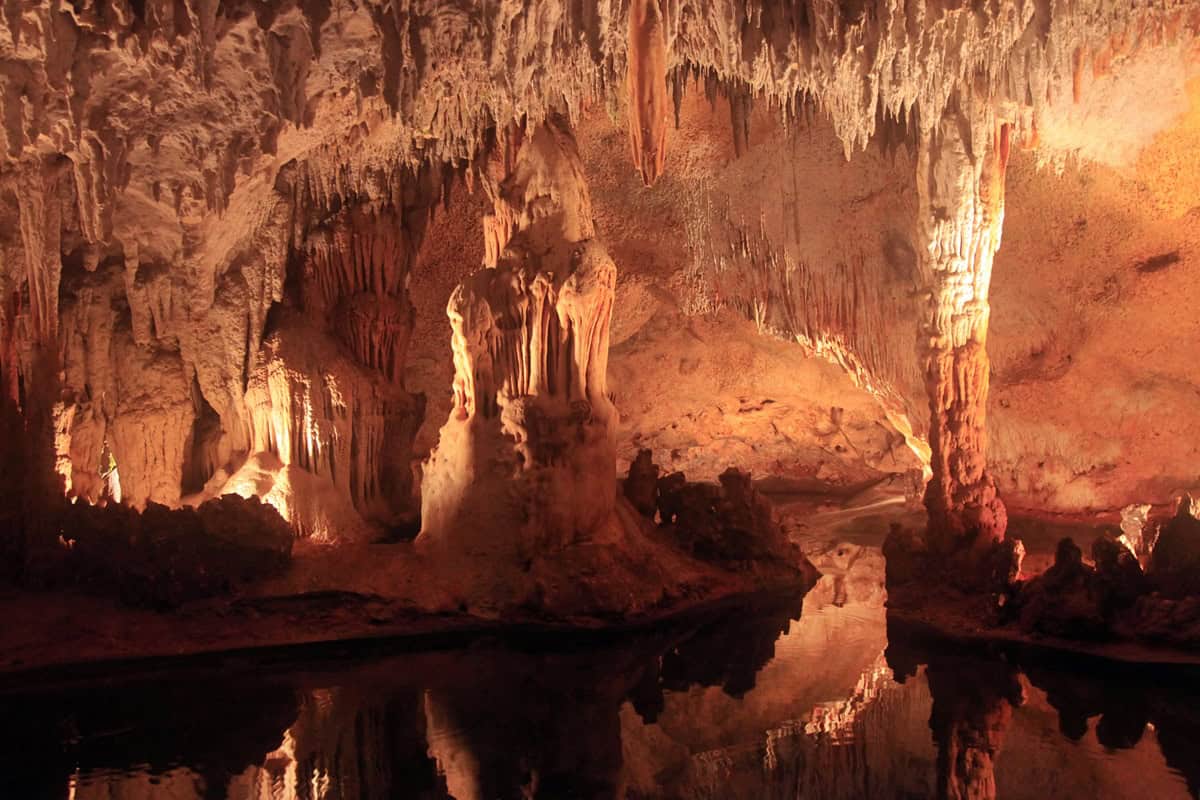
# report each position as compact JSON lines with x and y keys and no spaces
{"x":41,"y":230}
{"x":204,"y":142}
{"x":960,"y":185}
{"x":739,"y":118}
{"x":40,"y":214}
{"x":355,"y":274}
{"x":647,"y":57}
{"x":342,"y":423}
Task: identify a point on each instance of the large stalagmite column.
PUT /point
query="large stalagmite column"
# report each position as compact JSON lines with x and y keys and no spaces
{"x":526,"y":462}
{"x":960,"y":184}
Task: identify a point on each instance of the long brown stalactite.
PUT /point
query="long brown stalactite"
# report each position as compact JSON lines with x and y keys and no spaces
{"x":648,"y":101}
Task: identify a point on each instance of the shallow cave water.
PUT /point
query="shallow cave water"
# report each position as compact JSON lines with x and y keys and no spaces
{"x":785,"y":696}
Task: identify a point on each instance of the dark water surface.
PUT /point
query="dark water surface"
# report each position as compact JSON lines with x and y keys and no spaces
{"x":783,"y":699}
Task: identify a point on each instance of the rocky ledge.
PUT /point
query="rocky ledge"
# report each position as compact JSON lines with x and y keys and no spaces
{"x":1136,"y":594}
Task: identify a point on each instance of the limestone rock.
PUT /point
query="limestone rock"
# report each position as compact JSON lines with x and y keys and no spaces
{"x":1064,"y":601}
{"x":641,"y":486}
{"x":527,"y":461}
{"x":1175,"y":564}
{"x":178,"y":175}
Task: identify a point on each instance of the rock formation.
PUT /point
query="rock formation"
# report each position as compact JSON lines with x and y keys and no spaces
{"x":647,"y":88}
{"x":527,"y":458}
{"x":1175,"y":564}
{"x":211,"y":213}
{"x":960,"y":188}
{"x":162,"y":557}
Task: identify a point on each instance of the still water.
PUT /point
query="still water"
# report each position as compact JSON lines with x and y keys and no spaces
{"x":787,"y":698}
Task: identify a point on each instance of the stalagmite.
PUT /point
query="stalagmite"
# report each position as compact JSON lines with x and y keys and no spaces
{"x":961,"y":160}
{"x":526,"y":462}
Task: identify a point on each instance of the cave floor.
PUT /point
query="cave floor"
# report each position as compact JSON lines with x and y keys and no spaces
{"x":387,"y":591}
{"x":383,"y":591}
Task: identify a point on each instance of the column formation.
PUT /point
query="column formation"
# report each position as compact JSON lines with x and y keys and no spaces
{"x":526,"y":462}
{"x":961,"y":161}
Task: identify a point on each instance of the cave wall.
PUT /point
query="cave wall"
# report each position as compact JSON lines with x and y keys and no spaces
{"x":211,"y":210}
{"x":1092,"y":400}
{"x":1093,"y":339}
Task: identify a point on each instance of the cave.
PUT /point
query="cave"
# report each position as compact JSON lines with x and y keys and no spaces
{"x":637,"y":399}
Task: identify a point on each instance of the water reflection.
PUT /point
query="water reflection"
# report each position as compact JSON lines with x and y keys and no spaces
{"x":1123,"y":729}
{"x":759,"y":702}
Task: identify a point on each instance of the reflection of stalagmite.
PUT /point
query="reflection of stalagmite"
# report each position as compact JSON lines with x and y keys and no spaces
{"x":527,"y":456}
{"x":960,"y":185}
{"x":558,"y":737}
{"x":973,"y":702}
{"x":647,"y":88}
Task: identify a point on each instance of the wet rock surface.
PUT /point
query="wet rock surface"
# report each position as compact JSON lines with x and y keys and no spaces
{"x":729,"y":522}
{"x":1108,"y":598}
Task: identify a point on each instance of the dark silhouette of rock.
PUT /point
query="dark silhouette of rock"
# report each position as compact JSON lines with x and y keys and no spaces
{"x":163,"y":557}
{"x":641,"y":487}
{"x":1175,"y":565}
{"x":1164,"y":620}
{"x":975,"y":565}
{"x":1063,"y":601}
{"x":670,"y":496}
{"x":907,"y":553}
{"x":1119,"y":577}
{"x":726,"y":522}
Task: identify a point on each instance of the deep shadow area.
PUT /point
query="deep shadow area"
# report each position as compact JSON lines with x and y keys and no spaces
{"x":527,"y":715}
{"x":739,"y":704}
{"x":976,"y":687}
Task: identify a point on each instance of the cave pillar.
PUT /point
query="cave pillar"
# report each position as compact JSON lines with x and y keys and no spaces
{"x":961,"y":162}
{"x":39,"y":400}
{"x":526,"y":461}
